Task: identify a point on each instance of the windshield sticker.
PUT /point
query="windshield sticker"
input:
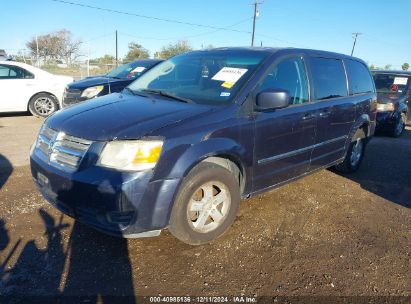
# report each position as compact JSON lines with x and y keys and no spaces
{"x":138,"y":70}
{"x":230,"y":75}
{"x":227,"y":85}
{"x":225,"y":94}
{"x":400,"y":80}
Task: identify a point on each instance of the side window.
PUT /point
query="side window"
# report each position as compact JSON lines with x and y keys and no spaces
{"x":11,"y":72}
{"x":289,"y":75}
{"x":359,"y":77}
{"x":328,"y":77}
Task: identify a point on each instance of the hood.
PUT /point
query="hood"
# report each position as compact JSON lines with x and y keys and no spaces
{"x":95,"y":81}
{"x":390,"y":97}
{"x":121,"y":116}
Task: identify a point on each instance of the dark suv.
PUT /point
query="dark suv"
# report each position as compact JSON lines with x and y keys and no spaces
{"x":181,"y":145}
{"x":394,"y":97}
{"x":112,"y":82}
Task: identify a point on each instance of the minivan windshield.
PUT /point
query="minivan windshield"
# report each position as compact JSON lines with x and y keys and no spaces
{"x":130,"y":70}
{"x":391,"y":83}
{"x":207,"y":77}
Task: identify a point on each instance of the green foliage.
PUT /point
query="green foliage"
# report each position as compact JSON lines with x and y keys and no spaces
{"x":136,"y":51}
{"x":405,"y":67}
{"x":171,"y":50}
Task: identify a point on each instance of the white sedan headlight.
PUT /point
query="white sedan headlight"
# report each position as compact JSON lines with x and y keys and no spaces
{"x":131,"y":155}
{"x":92,"y":91}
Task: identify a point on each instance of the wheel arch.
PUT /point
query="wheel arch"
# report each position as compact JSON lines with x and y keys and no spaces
{"x":43,"y":92}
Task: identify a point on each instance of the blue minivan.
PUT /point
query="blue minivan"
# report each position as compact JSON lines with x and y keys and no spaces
{"x":180,"y":146}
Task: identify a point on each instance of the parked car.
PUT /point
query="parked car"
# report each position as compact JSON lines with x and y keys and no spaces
{"x":27,"y":88}
{"x":101,"y":85}
{"x":394,"y":97}
{"x":182,"y":144}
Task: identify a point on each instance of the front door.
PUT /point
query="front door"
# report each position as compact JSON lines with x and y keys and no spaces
{"x":13,"y":88}
{"x":284,"y":137}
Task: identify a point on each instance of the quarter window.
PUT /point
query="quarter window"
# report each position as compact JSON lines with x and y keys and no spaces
{"x":329,"y":78}
{"x":288,"y":75}
{"x":13,"y":72}
{"x":359,"y":77}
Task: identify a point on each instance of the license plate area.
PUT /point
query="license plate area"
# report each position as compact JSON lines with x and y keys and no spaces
{"x":42,"y":179}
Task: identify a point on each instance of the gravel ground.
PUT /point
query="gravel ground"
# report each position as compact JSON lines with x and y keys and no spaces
{"x":322,"y":237}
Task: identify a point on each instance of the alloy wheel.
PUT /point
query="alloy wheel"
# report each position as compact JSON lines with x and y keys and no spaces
{"x":208,"y":207}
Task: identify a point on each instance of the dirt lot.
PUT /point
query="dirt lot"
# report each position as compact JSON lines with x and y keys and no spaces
{"x":319,"y":238}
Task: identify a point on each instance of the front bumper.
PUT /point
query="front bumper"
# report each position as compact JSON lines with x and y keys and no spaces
{"x":117,"y":203}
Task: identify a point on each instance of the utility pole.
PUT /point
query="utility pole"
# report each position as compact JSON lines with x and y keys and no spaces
{"x":355,"y":36}
{"x":256,"y":14}
{"x":37,"y":52}
{"x":116,"y":50}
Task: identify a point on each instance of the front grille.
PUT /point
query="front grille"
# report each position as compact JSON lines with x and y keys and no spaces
{"x":71,"y":96}
{"x":62,"y":150}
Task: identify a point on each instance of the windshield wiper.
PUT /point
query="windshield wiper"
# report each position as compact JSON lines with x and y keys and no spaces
{"x":165,"y":94}
{"x":139,"y":93}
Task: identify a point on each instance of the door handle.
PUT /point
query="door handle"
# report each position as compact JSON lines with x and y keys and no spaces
{"x":308,"y":116}
{"x":325,"y":113}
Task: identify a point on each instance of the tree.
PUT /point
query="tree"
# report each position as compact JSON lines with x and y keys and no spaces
{"x":135,"y":52}
{"x":388,"y":67}
{"x":55,"y":46}
{"x":405,"y":67}
{"x":171,"y":50}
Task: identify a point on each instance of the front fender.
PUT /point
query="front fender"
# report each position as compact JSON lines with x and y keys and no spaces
{"x":204,"y":149}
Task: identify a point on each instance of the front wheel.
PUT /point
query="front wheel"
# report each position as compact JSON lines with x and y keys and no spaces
{"x":353,"y":158}
{"x":206,"y":204}
{"x":43,"y":105}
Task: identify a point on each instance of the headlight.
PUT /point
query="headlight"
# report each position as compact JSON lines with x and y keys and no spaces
{"x":131,"y":155}
{"x":385,"y":107}
{"x":92,"y":91}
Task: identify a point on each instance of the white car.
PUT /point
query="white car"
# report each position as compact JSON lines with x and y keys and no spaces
{"x":24,"y":87}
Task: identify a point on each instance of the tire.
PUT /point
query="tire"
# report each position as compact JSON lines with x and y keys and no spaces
{"x":196,"y":220}
{"x":43,"y":105}
{"x":399,"y":126}
{"x":354,"y":156}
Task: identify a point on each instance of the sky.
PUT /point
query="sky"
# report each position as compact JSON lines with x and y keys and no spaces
{"x":315,"y":24}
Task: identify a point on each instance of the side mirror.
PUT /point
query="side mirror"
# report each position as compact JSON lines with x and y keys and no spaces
{"x":273,"y":99}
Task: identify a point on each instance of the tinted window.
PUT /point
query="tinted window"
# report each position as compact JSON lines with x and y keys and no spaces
{"x":131,"y":70}
{"x":359,"y":77}
{"x":391,"y":83}
{"x":329,"y":78}
{"x":13,"y":72}
{"x":288,"y":75}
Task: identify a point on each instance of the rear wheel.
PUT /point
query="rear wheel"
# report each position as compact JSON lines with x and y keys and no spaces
{"x":206,"y":204}
{"x":399,"y":126}
{"x":43,"y":105}
{"x":354,"y":155}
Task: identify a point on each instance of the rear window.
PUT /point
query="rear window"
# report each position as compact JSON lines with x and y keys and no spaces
{"x":391,"y":83}
{"x":359,"y":77}
{"x":328,"y":77}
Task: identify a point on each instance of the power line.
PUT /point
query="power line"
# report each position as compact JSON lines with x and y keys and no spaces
{"x":183,"y":37}
{"x":150,"y":17}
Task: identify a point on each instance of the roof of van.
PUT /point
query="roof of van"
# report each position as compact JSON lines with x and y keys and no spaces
{"x":291,"y":50}
{"x":398,"y":72}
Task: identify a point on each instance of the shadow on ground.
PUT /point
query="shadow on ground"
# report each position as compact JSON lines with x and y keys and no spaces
{"x":386,"y":168}
{"x":92,"y":268}
{"x":6,"y":169}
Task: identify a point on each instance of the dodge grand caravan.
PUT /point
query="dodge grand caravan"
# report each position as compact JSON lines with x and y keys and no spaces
{"x":180,"y":146}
